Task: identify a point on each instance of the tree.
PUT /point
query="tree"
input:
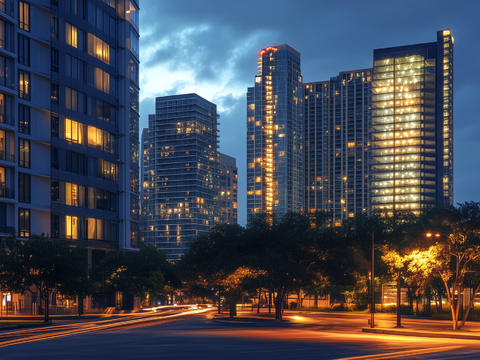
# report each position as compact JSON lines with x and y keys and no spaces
{"x":297,"y":251}
{"x":51,"y":266}
{"x":457,"y":252}
{"x":212,"y":263}
{"x":138,"y":273}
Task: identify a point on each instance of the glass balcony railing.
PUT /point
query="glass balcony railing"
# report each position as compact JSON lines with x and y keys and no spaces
{"x":7,"y":229}
{"x":6,"y":192}
{"x":6,"y":119}
{"x":6,"y":157}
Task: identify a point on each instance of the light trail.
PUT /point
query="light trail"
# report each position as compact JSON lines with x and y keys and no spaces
{"x":72,"y":329}
{"x":398,"y":354}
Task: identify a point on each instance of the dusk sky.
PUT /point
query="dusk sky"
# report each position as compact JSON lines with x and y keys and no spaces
{"x":209,"y":48}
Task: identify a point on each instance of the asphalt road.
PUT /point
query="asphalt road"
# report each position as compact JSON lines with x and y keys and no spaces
{"x":197,"y":336}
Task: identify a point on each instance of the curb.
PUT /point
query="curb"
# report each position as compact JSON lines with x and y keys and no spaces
{"x":422,"y":334}
{"x":250,"y":323}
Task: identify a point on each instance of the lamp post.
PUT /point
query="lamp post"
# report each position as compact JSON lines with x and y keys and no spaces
{"x":372,"y":305}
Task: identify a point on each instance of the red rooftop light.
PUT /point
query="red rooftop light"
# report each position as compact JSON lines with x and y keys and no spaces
{"x":270,"y":48}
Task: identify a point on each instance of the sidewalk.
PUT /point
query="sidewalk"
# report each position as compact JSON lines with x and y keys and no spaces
{"x":465,"y":335}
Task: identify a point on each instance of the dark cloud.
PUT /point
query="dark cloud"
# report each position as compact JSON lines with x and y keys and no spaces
{"x":211,"y":37}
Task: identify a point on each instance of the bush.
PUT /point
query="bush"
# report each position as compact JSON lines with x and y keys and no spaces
{"x":293,"y":305}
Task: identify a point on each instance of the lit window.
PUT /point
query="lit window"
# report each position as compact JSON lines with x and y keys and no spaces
{"x":24,"y":222}
{"x":71,"y":227}
{"x":24,"y":153}
{"x":24,"y":16}
{"x":24,"y":85}
{"x":71,"y":35}
{"x":74,"y":131}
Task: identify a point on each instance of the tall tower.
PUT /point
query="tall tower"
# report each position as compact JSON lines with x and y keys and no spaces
{"x":275,"y":133}
{"x":228,"y":189}
{"x":337,"y":125}
{"x":180,"y":173}
{"x":412,"y":126}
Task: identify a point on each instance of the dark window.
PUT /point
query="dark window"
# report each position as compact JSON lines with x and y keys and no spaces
{"x":55,"y":125}
{"x":23,"y":222}
{"x":23,"y":50}
{"x":24,"y":119}
{"x":24,"y":186}
{"x":55,"y":226}
{"x":55,"y":191}
{"x":24,"y":152}
{"x":53,"y":27}
{"x":5,"y":72}
{"x":24,"y":16}
{"x":54,"y":158}
{"x":24,"y":85}
{"x":54,"y":60}
{"x":54,"y":93}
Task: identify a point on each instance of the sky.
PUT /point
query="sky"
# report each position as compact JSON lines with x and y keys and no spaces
{"x":210,"y":47}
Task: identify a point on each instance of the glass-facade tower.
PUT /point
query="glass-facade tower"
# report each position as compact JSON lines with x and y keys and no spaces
{"x":412,"y":126}
{"x":337,"y":123}
{"x":275,"y":133}
{"x":180,"y":173}
{"x":228,"y":173}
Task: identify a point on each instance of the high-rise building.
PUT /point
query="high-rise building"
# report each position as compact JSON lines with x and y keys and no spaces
{"x":337,"y":125}
{"x":180,"y":174}
{"x":69,"y":122}
{"x":412,"y":126}
{"x":275,"y":133}
{"x":228,"y":189}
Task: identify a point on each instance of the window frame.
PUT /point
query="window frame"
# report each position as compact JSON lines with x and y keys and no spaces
{"x":25,"y":59}
{"x":24,"y":222}
{"x":24,"y":90}
{"x":24,"y":161}
{"x":24,"y":117}
{"x":25,"y":191}
{"x":23,"y":23}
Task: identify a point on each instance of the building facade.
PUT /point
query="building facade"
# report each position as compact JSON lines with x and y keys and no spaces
{"x":275,"y":133}
{"x":412,"y":126}
{"x":337,"y":124}
{"x":180,"y":173}
{"x":228,"y":189}
{"x":69,"y":122}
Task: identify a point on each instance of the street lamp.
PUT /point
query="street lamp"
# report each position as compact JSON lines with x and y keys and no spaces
{"x":372,"y":306}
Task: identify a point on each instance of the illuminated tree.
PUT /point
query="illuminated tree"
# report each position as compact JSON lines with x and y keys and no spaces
{"x":457,"y":252}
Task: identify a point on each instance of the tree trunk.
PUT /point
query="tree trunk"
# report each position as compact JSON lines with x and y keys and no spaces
{"x":259,"y":299}
{"x":315,"y":300}
{"x":270,"y":301}
{"x":279,"y":304}
{"x":233,"y":307}
{"x":399,"y":301}
{"x":440,"y":305}
{"x":472,"y":299}
{"x":46,"y":306}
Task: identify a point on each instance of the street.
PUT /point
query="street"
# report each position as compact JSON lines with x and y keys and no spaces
{"x":194,"y":335}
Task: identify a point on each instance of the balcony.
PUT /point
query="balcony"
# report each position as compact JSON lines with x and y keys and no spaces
{"x":7,"y":229}
{"x":7,"y":119}
{"x":6,"y":157}
{"x":6,"y":192}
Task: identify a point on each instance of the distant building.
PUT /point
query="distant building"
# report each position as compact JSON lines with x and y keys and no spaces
{"x":180,"y":172}
{"x":275,"y":133}
{"x":412,"y":126}
{"x":228,"y":189}
{"x":337,"y":135}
